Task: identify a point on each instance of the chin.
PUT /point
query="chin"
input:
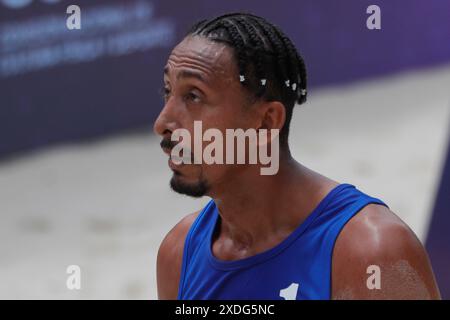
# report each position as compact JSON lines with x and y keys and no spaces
{"x":196,"y":189}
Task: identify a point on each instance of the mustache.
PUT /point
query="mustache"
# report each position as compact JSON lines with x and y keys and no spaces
{"x":166,"y":143}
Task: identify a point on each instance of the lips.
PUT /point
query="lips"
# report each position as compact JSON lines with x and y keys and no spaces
{"x":174,"y":160}
{"x":180,"y":160}
{"x":167,"y":151}
{"x":172,"y":165}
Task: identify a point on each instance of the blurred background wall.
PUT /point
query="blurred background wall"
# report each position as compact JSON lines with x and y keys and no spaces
{"x":82,"y":179}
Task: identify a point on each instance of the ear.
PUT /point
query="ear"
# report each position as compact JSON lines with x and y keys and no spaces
{"x":273,"y":115}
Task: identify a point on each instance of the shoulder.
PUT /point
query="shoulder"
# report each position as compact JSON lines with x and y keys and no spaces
{"x":376,"y":256}
{"x":170,"y":257}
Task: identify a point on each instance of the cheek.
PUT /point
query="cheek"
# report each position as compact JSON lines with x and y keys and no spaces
{"x":228,"y":118}
{"x":215,"y":174}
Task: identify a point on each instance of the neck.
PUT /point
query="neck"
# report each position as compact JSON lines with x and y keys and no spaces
{"x":254,"y":208}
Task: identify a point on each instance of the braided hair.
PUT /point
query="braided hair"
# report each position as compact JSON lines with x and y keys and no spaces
{"x":270,"y":67}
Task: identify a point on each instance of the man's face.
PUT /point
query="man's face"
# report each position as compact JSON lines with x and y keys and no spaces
{"x":201,"y":83}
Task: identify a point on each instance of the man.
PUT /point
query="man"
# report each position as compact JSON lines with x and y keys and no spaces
{"x":292,"y":235}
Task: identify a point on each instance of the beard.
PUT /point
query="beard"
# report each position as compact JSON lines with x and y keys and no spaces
{"x":193,"y":189}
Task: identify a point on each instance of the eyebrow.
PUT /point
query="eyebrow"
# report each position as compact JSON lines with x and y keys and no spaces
{"x":187,"y":74}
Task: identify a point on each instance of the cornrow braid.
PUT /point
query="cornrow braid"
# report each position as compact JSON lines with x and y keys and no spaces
{"x":299,"y":69}
{"x":257,"y":45}
{"x":270,"y":67}
{"x":236,"y":39}
{"x":303,"y":93}
{"x":210,"y":23}
{"x":278,"y":49}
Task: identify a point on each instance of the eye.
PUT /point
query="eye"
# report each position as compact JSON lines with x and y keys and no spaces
{"x":192,"y":96}
{"x":165,"y":93}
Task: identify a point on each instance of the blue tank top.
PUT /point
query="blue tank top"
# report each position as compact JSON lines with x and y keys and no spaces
{"x":297,"y":268}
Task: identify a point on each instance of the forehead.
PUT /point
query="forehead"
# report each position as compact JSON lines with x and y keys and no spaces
{"x":206,"y":56}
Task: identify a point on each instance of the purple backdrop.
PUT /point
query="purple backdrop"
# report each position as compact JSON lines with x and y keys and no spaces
{"x":58,"y":85}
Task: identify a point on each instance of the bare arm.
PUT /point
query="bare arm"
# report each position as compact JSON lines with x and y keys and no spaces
{"x":170,"y":256}
{"x":377,"y":237}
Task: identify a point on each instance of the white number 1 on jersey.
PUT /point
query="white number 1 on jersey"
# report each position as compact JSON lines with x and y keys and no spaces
{"x":290,"y":293}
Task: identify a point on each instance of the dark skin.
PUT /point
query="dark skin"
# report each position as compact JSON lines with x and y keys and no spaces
{"x":201,"y":82}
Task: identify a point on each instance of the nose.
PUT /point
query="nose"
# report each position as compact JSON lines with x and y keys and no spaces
{"x":166,"y":122}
